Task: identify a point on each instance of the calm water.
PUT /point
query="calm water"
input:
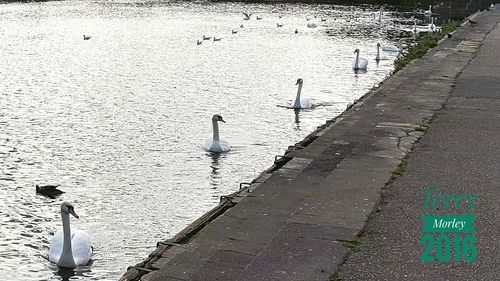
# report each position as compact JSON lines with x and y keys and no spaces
{"x":119,"y":120}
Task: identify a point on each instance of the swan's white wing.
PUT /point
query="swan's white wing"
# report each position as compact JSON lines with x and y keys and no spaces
{"x":362,"y":63}
{"x":225,"y":147}
{"x":208,"y":144}
{"x":56,"y":246}
{"x":306,"y":103}
{"x":217,"y":146}
{"x":80,"y":244}
{"x":390,"y":48}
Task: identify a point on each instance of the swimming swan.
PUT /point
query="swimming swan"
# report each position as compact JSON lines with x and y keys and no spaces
{"x":298,"y":102}
{"x":70,"y":249}
{"x":392,"y":48}
{"x":359,"y":63}
{"x":215,"y":144}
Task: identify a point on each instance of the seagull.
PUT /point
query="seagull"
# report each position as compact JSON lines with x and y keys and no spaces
{"x":296,"y":31}
{"x":259,"y":18}
{"x":85,"y":37}
{"x":234,"y":31}
{"x":322,"y":19}
{"x":206,"y":38}
{"x":247,"y":16}
{"x":241,"y":26}
{"x":217,"y":39}
{"x":198,"y":42}
{"x":279,"y":25}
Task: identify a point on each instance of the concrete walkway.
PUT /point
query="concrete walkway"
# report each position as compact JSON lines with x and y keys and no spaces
{"x":460,"y":153}
{"x":299,"y":219}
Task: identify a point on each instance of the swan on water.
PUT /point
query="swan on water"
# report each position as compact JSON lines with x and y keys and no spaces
{"x":359,"y":63}
{"x":217,"y":144}
{"x":70,"y":249}
{"x":298,"y":102}
{"x":432,"y":26}
{"x":428,"y":13}
{"x":392,"y":48}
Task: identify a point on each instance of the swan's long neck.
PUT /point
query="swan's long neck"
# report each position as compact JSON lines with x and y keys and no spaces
{"x":216,"y":130}
{"x":356,"y":61}
{"x":378,"y":53}
{"x":66,"y":259}
{"x":297,"y":99}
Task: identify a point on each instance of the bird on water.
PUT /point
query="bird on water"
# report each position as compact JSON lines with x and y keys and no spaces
{"x":50,"y":191}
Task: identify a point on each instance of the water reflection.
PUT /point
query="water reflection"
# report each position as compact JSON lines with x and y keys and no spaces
{"x":67,"y":273}
{"x":215,"y":166}
{"x":297,"y":118}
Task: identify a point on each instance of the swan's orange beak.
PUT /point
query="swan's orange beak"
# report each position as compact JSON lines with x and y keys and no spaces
{"x":72,"y":211}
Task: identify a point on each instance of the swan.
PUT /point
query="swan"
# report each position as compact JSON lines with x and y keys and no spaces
{"x":392,"y":48}
{"x":215,"y":144}
{"x":298,"y":102}
{"x":428,"y":13}
{"x":70,"y":249}
{"x":432,"y":26}
{"x":359,"y":63}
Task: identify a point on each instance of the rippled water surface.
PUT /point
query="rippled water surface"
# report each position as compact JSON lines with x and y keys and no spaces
{"x":119,"y":120}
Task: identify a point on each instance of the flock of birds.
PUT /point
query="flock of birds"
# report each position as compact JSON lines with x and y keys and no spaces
{"x":248,"y":17}
{"x":70,"y":249}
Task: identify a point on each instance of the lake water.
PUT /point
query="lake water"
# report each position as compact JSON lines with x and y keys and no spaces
{"x":119,"y":120}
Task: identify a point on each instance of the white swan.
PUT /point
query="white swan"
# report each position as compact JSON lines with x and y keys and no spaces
{"x":298,"y":102}
{"x":392,"y":48}
{"x":432,"y":26}
{"x":428,"y":13}
{"x":70,"y":249}
{"x":359,"y":63}
{"x":216,"y":144}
